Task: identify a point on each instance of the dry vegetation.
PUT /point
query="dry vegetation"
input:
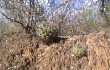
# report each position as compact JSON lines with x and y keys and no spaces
{"x":17,"y":52}
{"x":34,"y":38}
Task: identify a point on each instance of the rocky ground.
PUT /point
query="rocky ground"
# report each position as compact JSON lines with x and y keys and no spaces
{"x":18,"y":52}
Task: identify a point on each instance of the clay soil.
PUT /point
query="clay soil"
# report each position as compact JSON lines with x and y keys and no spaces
{"x":18,"y":52}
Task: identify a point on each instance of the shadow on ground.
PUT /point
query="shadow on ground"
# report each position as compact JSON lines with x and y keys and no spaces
{"x":17,"y":52}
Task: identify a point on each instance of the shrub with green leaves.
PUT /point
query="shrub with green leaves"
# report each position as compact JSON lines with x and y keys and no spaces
{"x":46,"y":33}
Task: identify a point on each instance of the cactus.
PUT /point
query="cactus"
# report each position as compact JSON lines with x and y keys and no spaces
{"x":46,"y":33}
{"x":78,"y":51}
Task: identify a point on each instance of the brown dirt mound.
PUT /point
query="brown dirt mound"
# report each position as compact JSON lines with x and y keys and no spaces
{"x":17,"y":52}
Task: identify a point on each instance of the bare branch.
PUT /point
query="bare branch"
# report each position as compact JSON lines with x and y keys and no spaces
{"x":12,"y":20}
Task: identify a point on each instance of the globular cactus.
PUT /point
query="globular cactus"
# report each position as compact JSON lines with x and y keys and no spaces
{"x":79,"y":51}
{"x":46,"y":33}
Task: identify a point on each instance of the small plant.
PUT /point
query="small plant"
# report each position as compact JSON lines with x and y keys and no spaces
{"x":46,"y":33}
{"x":78,"y":51}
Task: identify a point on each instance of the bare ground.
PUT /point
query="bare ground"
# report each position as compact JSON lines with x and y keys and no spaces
{"x":17,"y":52}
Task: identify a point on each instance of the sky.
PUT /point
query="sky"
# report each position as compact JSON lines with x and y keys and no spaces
{"x":84,"y":3}
{"x":79,"y":3}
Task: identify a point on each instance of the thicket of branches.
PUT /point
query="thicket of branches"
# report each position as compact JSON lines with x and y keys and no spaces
{"x":63,"y":14}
